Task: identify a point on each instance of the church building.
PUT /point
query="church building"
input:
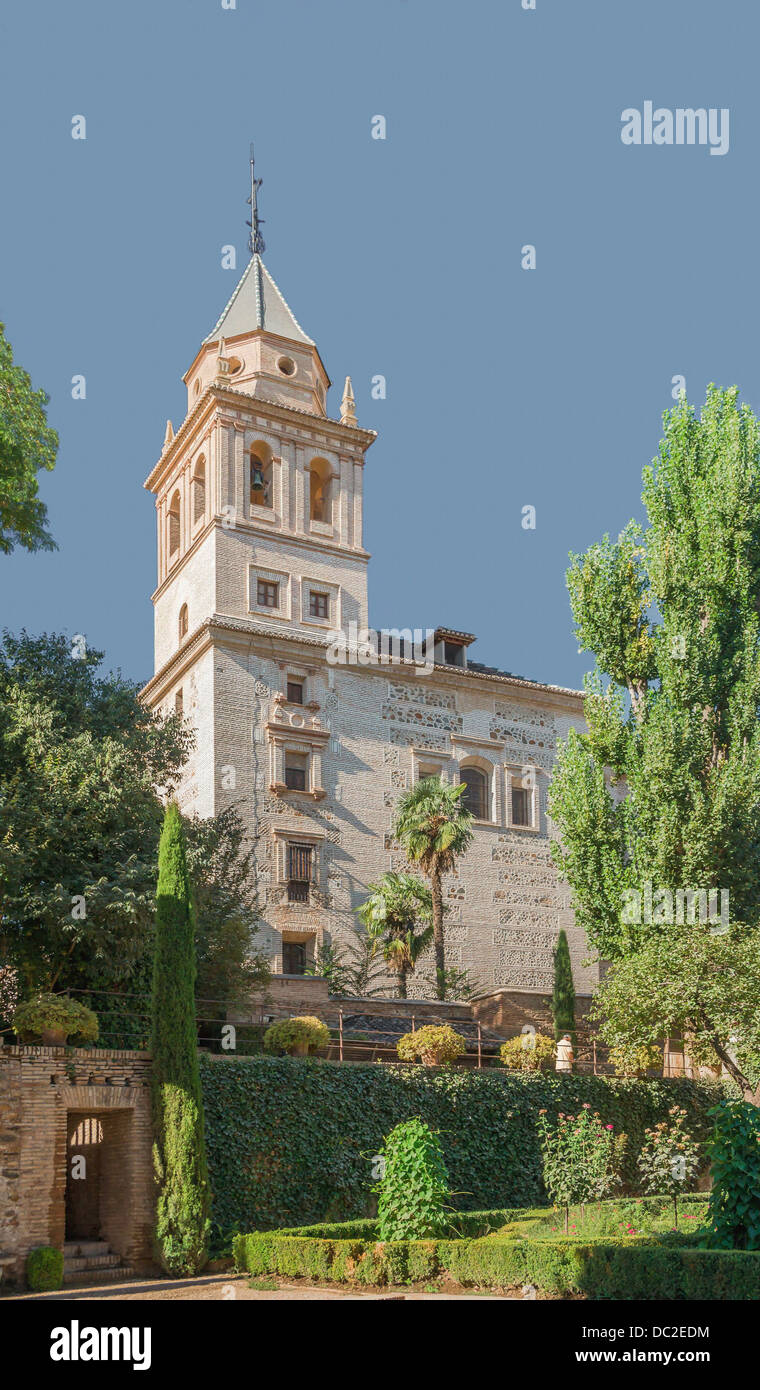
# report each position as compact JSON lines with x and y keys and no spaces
{"x":261,"y":562}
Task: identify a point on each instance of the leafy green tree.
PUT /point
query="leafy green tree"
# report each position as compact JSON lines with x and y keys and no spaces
{"x":183,"y":1204}
{"x":563,"y":991}
{"x":414,"y":1189}
{"x":397,"y":915}
{"x":221,"y":866}
{"x":694,"y":984}
{"x":27,"y":445}
{"x":80,"y":759}
{"x":434,"y":829}
{"x":664,"y":787}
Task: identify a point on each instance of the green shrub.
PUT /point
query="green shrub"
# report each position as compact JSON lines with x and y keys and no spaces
{"x":636,"y":1059}
{"x":669,"y":1157}
{"x":44,"y":1269}
{"x":414,"y":1188}
{"x":56,"y":1013}
{"x":296,"y":1035}
{"x":578,"y":1157}
{"x":528,"y":1052}
{"x":734,"y":1212}
{"x":434,"y":1045}
{"x":290,"y":1140}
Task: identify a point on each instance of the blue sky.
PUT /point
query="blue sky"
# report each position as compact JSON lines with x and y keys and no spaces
{"x":506,"y":387}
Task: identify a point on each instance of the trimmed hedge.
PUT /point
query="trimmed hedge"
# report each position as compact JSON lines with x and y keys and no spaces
{"x":609,"y":1268}
{"x":290,"y":1140}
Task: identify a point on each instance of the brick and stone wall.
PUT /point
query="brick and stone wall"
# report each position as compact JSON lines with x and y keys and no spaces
{"x":505,"y":903}
{"x":41,"y":1090}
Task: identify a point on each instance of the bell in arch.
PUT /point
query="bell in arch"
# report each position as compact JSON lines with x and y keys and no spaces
{"x":257,"y":477}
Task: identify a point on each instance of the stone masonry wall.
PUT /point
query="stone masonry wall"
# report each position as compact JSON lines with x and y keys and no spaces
{"x":505,"y":902}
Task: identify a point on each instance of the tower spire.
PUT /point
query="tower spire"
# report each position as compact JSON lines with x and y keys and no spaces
{"x":255,"y":240}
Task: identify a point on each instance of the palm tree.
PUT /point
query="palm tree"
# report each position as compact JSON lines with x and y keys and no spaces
{"x":397,"y":915}
{"x":434,"y":828}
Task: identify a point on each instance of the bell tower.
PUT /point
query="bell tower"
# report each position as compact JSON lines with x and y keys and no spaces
{"x":259,"y":492}
{"x":259,"y":509}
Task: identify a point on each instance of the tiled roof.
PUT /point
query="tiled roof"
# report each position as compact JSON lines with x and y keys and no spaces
{"x":257,"y":303}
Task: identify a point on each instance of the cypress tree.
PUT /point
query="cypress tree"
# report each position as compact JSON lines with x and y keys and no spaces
{"x":563,"y":993}
{"x":179,"y":1153}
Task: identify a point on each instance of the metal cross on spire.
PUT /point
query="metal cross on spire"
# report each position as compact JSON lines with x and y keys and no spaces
{"x":255,"y":240}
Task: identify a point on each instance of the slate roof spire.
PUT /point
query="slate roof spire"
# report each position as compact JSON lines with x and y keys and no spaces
{"x":256,"y":302}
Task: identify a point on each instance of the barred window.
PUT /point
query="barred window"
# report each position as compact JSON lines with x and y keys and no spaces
{"x":299,"y":863}
{"x":299,"y":872}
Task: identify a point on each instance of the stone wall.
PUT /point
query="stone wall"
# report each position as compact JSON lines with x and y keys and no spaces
{"x":509,"y":1011}
{"x":40,"y":1089}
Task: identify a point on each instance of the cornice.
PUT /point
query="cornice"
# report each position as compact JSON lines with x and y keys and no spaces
{"x":220,"y":627}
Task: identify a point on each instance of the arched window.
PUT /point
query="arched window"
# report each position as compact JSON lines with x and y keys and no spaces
{"x":174,"y":525}
{"x":320,"y":491}
{"x":475,"y":796}
{"x":199,"y":490}
{"x":182,"y":625}
{"x":261,"y":475}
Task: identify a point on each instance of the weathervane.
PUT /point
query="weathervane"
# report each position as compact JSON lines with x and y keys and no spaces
{"x":255,"y":240}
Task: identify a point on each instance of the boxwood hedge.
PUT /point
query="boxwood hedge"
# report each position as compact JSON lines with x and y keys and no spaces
{"x":290,"y":1140}
{"x":606,"y":1268}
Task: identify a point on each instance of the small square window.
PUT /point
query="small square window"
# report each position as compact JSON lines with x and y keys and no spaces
{"x":267,"y":594}
{"x":295,"y":692}
{"x":319,"y":605}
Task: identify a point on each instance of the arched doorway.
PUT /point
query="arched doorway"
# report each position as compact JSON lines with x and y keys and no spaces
{"x":84,"y":1158}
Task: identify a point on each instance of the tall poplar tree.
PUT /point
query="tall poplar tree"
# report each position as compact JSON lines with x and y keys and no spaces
{"x":663,"y":791}
{"x":182,"y":1212}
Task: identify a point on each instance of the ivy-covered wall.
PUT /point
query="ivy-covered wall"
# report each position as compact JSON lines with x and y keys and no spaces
{"x":290,"y":1141}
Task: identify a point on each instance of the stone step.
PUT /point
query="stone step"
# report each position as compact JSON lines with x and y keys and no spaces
{"x":100,"y":1276}
{"x":74,"y":1263}
{"x":86,"y":1247}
